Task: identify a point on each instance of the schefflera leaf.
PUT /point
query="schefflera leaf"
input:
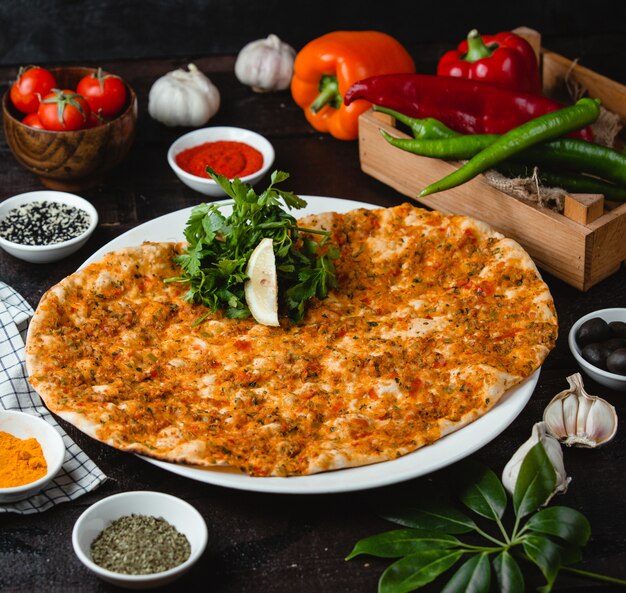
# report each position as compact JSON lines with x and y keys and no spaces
{"x":474,"y":576}
{"x":546,"y":555}
{"x":508,"y":573}
{"x":563,"y":522}
{"x":402,"y":542}
{"x":415,"y":571}
{"x":482,"y":491}
{"x":428,"y":513}
{"x":536,"y":482}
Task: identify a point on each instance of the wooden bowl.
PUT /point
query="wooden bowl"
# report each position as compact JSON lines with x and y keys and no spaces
{"x":70,"y":161}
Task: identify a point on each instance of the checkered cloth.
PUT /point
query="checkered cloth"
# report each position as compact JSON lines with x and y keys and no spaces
{"x":79,"y":474}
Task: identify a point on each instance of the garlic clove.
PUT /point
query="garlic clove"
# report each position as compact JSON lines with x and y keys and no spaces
{"x":569,"y":405}
{"x":584,"y":407}
{"x":601,"y":424}
{"x":554,"y":417}
{"x":553,"y":450}
{"x":578,"y":419}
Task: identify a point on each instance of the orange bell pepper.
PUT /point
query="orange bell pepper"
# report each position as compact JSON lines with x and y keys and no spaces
{"x":326,"y":67}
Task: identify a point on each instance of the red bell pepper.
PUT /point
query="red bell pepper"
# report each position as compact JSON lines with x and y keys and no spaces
{"x":466,"y":106}
{"x":505,"y":59}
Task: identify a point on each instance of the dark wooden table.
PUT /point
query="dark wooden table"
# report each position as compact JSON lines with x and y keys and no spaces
{"x":283,"y":543}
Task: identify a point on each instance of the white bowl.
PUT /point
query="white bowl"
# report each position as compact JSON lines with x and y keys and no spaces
{"x":606,"y":378}
{"x":206,"y":185}
{"x":178,"y":513}
{"x":26,"y":426}
{"x":41,"y":254}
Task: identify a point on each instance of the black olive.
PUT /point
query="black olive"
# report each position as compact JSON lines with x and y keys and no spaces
{"x":595,"y":354}
{"x":615,"y":344}
{"x":593,"y":330}
{"x":618,"y":329}
{"x":616,"y":362}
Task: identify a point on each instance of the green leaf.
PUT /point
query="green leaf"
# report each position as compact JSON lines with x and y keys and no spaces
{"x":545,"y":554}
{"x":223,"y":182}
{"x":215,"y":259}
{"x":535,"y":482}
{"x":278,"y":176}
{"x":402,"y":542}
{"x":416,"y":570}
{"x":482,"y":490}
{"x":474,"y":576}
{"x":212,"y":224}
{"x":508,"y":574}
{"x":432,"y":515}
{"x":566,"y":523}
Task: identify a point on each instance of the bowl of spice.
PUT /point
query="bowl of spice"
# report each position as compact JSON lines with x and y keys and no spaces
{"x":229,"y":151}
{"x":45,"y":226}
{"x":31,"y":454}
{"x":140,"y":539}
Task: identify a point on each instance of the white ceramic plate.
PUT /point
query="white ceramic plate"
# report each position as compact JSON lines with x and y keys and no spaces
{"x":442,"y":453}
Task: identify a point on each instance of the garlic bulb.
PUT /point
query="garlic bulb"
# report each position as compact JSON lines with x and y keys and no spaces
{"x":578,"y":419}
{"x":265,"y":64}
{"x":554,"y":453}
{"x":183,"y":98}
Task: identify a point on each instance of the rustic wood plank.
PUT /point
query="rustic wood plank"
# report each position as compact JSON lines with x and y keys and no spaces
{"x":557,"y":69}
{"x":606,"y":249}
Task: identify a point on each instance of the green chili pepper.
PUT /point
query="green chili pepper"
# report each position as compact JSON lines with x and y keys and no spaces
{"x":543,"y":128}
{"x":578,"y":156}
{"x":452,"y":148}
{"x":427,"y":128}
{"x":572,"y":182}
{"x":564,"y":153}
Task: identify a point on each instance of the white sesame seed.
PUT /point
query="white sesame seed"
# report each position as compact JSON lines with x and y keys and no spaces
{"x":43,"y":223}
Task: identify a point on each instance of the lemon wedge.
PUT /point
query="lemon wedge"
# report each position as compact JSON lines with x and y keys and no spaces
{"x":261,"y":288}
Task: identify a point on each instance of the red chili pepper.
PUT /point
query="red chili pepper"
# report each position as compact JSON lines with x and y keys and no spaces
{"x":505,"y":59}
{"x":466,"y":106}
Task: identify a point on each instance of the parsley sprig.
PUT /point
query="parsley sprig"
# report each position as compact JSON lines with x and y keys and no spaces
{"x":549,"y":538}
{"x":219,"y":246}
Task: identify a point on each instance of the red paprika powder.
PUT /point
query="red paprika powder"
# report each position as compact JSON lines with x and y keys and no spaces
{"x":226,"y":157}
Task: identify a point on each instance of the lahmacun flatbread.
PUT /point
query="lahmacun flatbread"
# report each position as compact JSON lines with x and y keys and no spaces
{"x":435,"y":317}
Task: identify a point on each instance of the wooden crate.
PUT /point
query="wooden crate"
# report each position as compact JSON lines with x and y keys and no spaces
{"x":582,"y":246}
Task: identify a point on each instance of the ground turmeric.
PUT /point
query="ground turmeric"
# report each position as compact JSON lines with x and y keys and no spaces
{"x":21,"y":461}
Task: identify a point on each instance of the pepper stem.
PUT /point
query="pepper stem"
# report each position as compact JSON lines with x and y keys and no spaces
{"x":476,"y":48}
{"x":329,"y":94}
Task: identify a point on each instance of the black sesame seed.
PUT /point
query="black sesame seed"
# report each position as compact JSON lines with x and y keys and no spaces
{"x":43,"y":223}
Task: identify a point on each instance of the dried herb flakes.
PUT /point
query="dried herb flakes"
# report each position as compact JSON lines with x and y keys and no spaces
{"x":140,"y":544}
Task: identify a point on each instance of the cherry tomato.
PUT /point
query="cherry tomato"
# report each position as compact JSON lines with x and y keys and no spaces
{"x":32,"y":120}
{"x":64,"y":110}
{"x":105,"y":93}
{"x":32,"y":83}
{"x":95,"y":120}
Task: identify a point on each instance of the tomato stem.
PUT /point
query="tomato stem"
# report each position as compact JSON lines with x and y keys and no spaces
{"x":99,"y":75}
{"x":62,"y":99}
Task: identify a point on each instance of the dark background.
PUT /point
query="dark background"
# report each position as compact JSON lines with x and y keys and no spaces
{"x":266,"y":543}
{"x":91,"y":30}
